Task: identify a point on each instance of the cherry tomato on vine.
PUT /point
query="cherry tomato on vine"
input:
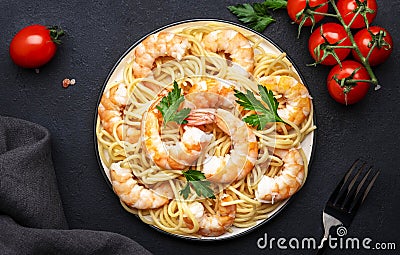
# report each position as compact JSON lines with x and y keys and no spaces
{"x":348,"y":93}
{"x":35,"y":45}
{"x":326,"y":36}
{"x":294,"y":7}
{"x":383,"y":44}
{"x":348,"y":8}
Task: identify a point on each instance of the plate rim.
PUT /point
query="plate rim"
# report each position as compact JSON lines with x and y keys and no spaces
{"x":127,"y":51}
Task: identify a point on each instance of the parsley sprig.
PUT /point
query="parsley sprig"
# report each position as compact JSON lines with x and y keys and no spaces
{"x":197,"y":181}
{"x":257,"y":15}
{"x":264,"y":115}
{"x":169,"y":106}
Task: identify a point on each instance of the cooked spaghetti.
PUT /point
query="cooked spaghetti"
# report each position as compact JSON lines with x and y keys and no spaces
{"x":206,"y":61}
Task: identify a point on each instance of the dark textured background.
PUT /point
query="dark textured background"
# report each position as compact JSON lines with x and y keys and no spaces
{"x":98,"y":34}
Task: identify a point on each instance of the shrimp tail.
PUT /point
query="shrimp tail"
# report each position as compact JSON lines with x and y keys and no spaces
{"x":132,"y":193}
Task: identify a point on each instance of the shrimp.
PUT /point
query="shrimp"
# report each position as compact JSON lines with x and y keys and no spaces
{"x":162,"y":44}
{"x":210,"y":93}
{"x":286,"y":182}
{"x":135,"y":195}
{"x":243,"y":155}
{"x":178,"y":156}
{"x":111,"y":108}
{"x":212,"y":225}
{"x":293,"y":97}
{"x":231,"y":42}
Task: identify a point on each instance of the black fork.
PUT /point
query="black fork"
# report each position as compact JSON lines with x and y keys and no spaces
{"x":348,"y":196}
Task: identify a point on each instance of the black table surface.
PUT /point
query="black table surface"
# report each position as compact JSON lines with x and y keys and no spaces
{"x":99,"y":32}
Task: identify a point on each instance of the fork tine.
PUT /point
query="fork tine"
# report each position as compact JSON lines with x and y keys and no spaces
{"x":343,"y":187}
{"x":363,"y":192}
{"x":369,"y":187}
{"x":335,"y":193}
{"x":354,"y":189}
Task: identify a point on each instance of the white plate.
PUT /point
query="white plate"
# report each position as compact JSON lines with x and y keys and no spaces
{"x":116,"y":74}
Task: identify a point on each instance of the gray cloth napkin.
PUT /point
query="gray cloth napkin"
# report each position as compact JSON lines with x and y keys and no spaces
{"x":32,"y":220}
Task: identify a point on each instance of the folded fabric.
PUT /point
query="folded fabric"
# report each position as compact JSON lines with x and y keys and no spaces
{"x":32,"y":220}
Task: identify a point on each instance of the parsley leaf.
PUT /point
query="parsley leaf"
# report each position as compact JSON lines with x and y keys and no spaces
{"x":185,"y":191}
{"x":275,"y":4}
{"x":169,"y":106}
{"x":256,"y":15}
{"x":196,"y":180}
{"x":264,"y":115}
{"x":258,"y":121}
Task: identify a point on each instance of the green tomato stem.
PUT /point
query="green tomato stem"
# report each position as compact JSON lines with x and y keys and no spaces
{"x":370,"y":51}
{"x":355,"y":81}
{"x":339,"y":47}
{"x":354,"y":17}
{"x":323,"y":14}
{"x":364,"y":61}
{"x":56,"y":33}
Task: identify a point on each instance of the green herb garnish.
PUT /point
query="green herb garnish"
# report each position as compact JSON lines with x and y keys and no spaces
{"x":197,"y":181}
{"x":275,"y":4}
{"x":264,"y":115}
{"x":169,"y":106}
{"x":256,"y":15}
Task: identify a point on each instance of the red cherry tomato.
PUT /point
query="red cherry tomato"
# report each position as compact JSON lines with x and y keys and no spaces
{"x":348,"y":94}
{"x":382,"y":49}
{"x":333,"y":33}
{"x":34,"y":46}
{"x":296,"y":6}
{"x":348,"y":8}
